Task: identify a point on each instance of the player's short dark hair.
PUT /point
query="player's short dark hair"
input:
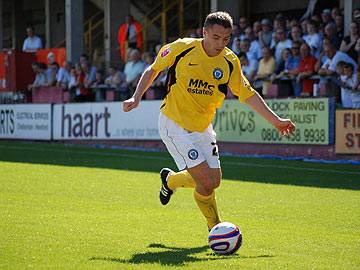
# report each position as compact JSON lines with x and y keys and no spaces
{"x":220,"y":17}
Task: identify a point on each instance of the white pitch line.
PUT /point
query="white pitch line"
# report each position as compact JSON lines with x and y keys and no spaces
{"x":247,"y":164}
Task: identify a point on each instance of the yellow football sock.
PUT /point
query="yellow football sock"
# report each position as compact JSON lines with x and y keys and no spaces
{"x":207,"y":205}
{"x":180,"y":179}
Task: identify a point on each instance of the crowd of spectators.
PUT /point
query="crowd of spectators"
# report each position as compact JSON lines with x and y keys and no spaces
{"x":303,"y":57}
{"x":85,"y":82}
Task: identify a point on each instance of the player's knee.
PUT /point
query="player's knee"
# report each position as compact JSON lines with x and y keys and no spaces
{"x":208,"y":186}
{"x":216,"y":183}
{"x":216,"y":180}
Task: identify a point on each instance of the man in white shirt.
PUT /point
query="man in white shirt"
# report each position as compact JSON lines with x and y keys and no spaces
{"x":134,"y":68}
{"x":255,"y":47}
{"x":283,"y":43}
{"x":32,"y":43}
{"x":313,"y":38}
{"x":329,"y":67}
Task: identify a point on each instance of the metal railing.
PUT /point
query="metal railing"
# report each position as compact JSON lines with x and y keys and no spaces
{"x":93,"y":28}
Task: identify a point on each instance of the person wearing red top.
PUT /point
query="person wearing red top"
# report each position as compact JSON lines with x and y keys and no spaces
{"x":306,"y":70}
{"x":130,"y":36}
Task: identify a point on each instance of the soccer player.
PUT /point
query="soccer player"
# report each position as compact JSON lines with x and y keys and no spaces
{"x":200,"y":71}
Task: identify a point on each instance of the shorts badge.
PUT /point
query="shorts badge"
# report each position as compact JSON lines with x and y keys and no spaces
{"x":193,"y":154}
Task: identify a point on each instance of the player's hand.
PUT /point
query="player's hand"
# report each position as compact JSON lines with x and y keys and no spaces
{"x":130,"y":104}
{"x":285,"y":126}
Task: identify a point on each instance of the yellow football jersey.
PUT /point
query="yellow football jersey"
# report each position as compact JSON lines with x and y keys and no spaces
{"x":197,"y":83}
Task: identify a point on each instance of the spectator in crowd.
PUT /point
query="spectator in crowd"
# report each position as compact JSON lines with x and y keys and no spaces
{"x":279,"y":22}
{"x":73,"y":78}
{"x":97,"y":87}
{"x":292,"y":67}
{"x":303,"y":25}
{"x":51,"y":73}
{"x":199,"y":32}
{"x":256,"y":29}
{"x":52,"y":69}
{"x":317,"y":19}
{"x":148,"y":59}
{"x":64,"y":75}
{"x":349,"y":42}
{"x":99,"y":79}
{"x":283,"y":43}
{"x":255,"y":47}
{"x":130,"y":36}
{"x":313,"y":38}
{"x":330,"y":33}
{"x":265,"y":35}
{"x":323,"y":58}
{"x":248,"y":68}
{"x":236,"y":46}
{"x":339,"y":22}
{"x":356,"y":15}
{"x":326,"y":17}
{"x":355,"y":95}
{"x":79,"y":92}
{"x":32,"y":43}
{"x":243,"y":23}
{"x":348,"y":82}
{"x":335,"y":12}
{"x":296,"y":34}
{"x":306,"y":70}
{"x":340,"y":68}
{"x":235,"y":34}
{"x":40,"y":76}
{"x":357,"y":49}
{"x":329,"y":67}
{"x":91,"y":69}
{"x":133,"y":69}
{"x":266,"y":68}
{"x":280,"y":66}
{"x":245,"y":48}
{"x":89,"y":77}
{"x":239,"y":31}
{"x":117,"y":79}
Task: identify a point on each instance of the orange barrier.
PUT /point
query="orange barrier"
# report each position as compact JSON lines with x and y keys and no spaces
{"x":59,"y":53}
{"x":50,"y":94}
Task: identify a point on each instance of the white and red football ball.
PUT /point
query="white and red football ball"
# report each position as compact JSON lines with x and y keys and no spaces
{"x":225,"y":238}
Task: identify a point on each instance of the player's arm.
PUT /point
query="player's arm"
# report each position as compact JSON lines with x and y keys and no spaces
{"x":285,"y":126}
{"x":144,"y":83}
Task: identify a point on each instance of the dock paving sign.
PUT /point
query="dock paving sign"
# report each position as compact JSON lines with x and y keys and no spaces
{"x":314,"y":118}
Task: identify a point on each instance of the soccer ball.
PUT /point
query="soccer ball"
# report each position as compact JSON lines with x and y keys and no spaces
{"x":225,"y":238}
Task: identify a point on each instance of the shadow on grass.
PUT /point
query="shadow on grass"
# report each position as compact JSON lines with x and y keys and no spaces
{"x":247,"y":169}
{"x":173,"y":256}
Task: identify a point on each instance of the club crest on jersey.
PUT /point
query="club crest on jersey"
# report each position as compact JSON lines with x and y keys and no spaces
{"x":193,"y":154}
{"x":218,"y":73}
{"x":165,"y":52}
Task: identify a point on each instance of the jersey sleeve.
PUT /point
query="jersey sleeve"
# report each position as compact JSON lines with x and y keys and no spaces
{"x":166,"y":56}
{"x":238,"y":83}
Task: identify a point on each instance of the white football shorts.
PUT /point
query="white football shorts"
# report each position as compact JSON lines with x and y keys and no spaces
{"x":189,"y":149}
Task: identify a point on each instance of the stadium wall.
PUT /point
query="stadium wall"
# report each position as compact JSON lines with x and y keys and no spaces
{"x":239,"y":129}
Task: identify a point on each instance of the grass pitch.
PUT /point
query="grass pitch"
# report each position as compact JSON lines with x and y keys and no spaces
{"x":67,"y":207}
